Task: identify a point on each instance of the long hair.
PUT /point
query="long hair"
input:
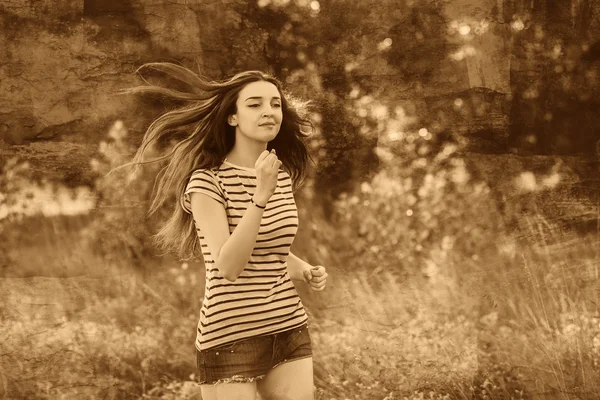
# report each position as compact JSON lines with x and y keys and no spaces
{"x":202,"y":140}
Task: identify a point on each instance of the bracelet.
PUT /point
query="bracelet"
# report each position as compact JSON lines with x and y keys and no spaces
{"x":252,"y":200}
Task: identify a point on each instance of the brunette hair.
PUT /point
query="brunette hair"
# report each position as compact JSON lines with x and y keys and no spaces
{"x":203,"y":138}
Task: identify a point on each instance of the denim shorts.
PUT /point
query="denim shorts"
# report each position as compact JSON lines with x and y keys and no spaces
{"x":249,"y":359}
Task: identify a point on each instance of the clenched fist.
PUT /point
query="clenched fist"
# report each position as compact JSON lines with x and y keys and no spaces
{"x":316,"y":277}
{"x":267,"y":172}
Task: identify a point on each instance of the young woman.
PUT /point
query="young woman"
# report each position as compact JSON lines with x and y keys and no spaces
{"x":239,"y":155}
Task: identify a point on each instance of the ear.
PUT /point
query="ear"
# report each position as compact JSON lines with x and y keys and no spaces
{"x":232,"y":120}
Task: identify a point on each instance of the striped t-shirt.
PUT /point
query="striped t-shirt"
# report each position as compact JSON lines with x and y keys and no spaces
{"x":263,"y":299}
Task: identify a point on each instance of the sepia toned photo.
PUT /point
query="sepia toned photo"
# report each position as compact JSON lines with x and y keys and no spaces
{"x":300,"y":199}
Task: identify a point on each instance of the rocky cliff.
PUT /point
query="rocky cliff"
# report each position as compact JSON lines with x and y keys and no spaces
{"x":63,"y":63}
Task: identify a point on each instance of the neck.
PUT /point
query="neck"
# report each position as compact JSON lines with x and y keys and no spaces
{"x":245,"y":152}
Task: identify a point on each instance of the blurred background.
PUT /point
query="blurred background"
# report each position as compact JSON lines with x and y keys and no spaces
{"x":454,"y":196}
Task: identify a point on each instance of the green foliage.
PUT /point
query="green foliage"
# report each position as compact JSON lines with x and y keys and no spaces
{"x":121,"y":227}
{"x":555,"y":109}
{"x":11,"y":180}
{"x":413,"y":213}
{"x":330,"y":49}
{"x":419,"y":41}
{"x":319,"y":62}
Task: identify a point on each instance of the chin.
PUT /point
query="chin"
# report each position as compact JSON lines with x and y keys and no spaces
{"x":268,"y":138}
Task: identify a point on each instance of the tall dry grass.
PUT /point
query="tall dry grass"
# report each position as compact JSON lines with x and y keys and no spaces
{"x":531,"y":329}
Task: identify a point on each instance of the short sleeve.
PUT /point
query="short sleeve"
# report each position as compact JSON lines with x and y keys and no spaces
{"x":202,"y":181}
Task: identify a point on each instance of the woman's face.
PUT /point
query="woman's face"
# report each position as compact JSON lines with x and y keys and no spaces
{"x":259,"y":114}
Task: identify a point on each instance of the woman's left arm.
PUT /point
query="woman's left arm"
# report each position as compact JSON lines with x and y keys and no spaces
{"x":300,"y":270}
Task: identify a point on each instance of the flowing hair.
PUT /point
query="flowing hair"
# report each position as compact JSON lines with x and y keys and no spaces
{"x":203,"y":139}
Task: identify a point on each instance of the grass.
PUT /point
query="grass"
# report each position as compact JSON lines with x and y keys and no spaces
{"x":521,"y":323}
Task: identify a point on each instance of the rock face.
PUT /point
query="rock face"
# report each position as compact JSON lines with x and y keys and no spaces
{"x":54,"y":73}
{"x":561,"y":189}
{"x":63,"y":62}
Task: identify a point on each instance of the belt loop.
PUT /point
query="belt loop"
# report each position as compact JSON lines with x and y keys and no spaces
{"x":273,"y":351}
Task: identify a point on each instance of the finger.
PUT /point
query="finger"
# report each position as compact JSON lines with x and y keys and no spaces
{"x":319,"y":275}
{"x":268,"y":160}
{"x":262,"y":156}
{"x":275,"y":161}
{"x":261,"y":160}
{"x":307,"y":276}
{"x":322,"y":278}
{"x":318,"y":283}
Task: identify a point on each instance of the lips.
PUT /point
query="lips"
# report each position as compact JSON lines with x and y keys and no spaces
{"x":267,"y":124}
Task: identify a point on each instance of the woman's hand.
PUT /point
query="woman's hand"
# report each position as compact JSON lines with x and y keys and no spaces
{"x":267,"y":172}
{"x":316,"y":277}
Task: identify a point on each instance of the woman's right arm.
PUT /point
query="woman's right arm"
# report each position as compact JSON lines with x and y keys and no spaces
{"x":231,"y":252}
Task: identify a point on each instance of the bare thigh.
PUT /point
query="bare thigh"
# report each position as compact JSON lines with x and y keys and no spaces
{"x":229,"y":391}
{"x":292,"y":380}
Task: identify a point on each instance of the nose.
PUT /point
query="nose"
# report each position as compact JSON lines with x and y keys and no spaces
{"x":268,"y":110}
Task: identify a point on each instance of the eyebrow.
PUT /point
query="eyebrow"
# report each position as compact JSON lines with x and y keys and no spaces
{"x":260,"y":98}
